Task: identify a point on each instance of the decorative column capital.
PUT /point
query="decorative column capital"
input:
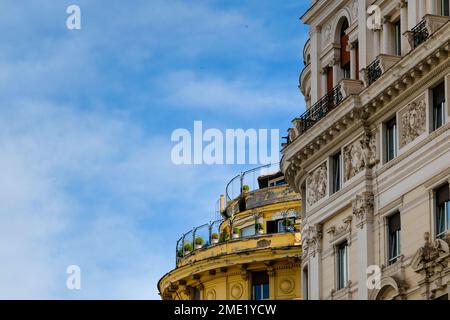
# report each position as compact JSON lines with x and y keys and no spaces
{"x":363,"y":208}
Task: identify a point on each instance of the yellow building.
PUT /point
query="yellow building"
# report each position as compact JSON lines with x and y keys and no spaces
{"x":252,"y":253}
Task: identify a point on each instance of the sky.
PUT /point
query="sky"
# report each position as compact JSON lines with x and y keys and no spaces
{"x":86,"y":118}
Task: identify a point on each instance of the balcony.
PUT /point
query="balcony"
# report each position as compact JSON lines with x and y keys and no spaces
{"x":379,"y":66}
{"x":190,"y":248}
{"x":427,"y":27}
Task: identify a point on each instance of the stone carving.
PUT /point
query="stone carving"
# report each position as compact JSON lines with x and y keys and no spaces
{"x":412,"y":122}
{"x":327,"y":35}
{"x":236,"y":291}
{"x":211,"y":295}
{"x":311,"y":242}
{"x":336,"y":232}
{"x":287,"y":285}
{"x":316,"y":184}
{"x":360,"y":155}
{"x":354,"y":10}
{"x":363,"y":206}
{"x":429,"y":253}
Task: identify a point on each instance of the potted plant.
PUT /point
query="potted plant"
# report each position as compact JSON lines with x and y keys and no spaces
{"x":180,"y":253}
{"x":259,"y":228}
{"x":215,"y":238}
{"x":288,"y":224}
{"x":236,"y":233}
{"x":187,"y":248}
{"x":245,"y":188}
{"x":224,"y":236}
{"x":199,"y":242}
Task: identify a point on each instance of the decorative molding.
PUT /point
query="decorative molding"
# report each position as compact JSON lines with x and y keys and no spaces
{"x":317,"y":184}
{"x":360,"y":155}
{"x":336,"y":232}
{"x":312,"y":238}
{"x":363,"y":207}
{"x":412,"y":121}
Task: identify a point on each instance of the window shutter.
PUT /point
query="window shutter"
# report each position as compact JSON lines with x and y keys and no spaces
{"x":394,"y":223}
{"x":272,"y":227}
{"x":442,"y":195}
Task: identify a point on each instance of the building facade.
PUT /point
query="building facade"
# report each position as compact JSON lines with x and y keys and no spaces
{"x":371,"y":154}
{"x":252,"y":253}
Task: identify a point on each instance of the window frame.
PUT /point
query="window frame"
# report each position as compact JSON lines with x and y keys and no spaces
{"x":334,"y":188}
{"x":446,"y":214}
{"x":391,"y":259}
{"x":387,"y":129}
{"x":342,"y":266}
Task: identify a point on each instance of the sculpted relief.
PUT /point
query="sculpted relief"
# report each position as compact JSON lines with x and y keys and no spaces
{"x":412,"y":121}
{"x":316,"y":184}
{"x":359,"y":155}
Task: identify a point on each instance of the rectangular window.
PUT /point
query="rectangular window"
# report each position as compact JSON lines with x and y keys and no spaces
{"x":260,"y":286}
{"x":394,"y":227}
{"x":391,"y":139}
{"x":248,"y":231}
{"x":305,"y":284}
{"x":196,"y":295}
{"x":398,"y":38}
{"x":285,"y":225}
{"x":342,"y":265}
{"x":442,"y":210}
{"x":445,"y":8}
{"x":336,"y":167}
{"x":438,"y":106}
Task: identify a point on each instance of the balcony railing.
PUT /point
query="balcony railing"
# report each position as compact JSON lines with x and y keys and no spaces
{"x":320,"y":109}
{"x":210,"y":235}
{"x":374,"y":71}
{"x":420,"y":33}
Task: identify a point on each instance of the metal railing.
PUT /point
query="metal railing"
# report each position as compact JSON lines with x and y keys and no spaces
{"x":320,"y":109}
{"x":374,"y":71}
{"x":420,"y":33}
{"x":189,"y":243}
{"x":248,"y":179}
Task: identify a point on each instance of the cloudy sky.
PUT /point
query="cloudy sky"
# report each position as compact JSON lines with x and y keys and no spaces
{"x":86,"y":118}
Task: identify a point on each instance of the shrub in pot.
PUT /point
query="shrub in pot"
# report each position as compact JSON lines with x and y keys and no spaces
{"x":187,"y":248}
{"x":236,"y":232}
{"x":215,"y":238}
{"x":245,"y":188}
{"x":259,"y":228}
{"x":199,"y":242}
{"x":224,"y":236}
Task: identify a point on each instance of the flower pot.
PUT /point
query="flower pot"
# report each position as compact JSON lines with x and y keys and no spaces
{"x":186,"y":253}
{"x":235,"y":236}
{"x":260,"y":231}
{"x":198,"y":246}
{"x":215,"y":241}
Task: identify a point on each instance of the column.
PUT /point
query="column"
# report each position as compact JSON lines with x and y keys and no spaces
{"x":363,"y":210}
{"x":364,"y":35}
{"x":386,"y":34}
{"x":404,"y":27}
{"x":412,"y":14}
{"x":272,"y":283}
{"x":431,"y":7}
{"x":353,"y":70}
{"x":323,"y":73}
{"x":315,"y":67}
{"x":337,"y":72}
{"x":376,"y":43}
{"x":421,"y":9}
{"x":315,"y":262}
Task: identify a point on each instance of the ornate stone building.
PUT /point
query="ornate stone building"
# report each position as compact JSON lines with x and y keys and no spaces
{"x":252,"y":253}
{"x":371,"y":154}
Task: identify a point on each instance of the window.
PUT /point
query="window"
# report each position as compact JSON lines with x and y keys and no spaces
{"x":398,"y":38}
{"x":248,"y":231}
{"x":280,"y":226}
{"x":196,"y":294}
{"x":260,"y":286}
{"x":336,"y":174}
{"x":342,"y":265}
{"x":345,"y":54}
{"x":445,"y":8}
{"x":438,"y":106}
{"x":391,"y":139}
{"x":394,"y":227}
{"x":442,"y":210}
{"x":305,"y":284}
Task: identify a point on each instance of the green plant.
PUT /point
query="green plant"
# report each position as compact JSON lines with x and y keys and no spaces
{"x":180,"y":253}
{"x":199,"y":241}
{"x":224,"y":236}
{"x":187,"y":246}
{"x":245,"y":188}
{"x":215,"y":236}
{"x":258,"y":226}
{"x":288,"y":222}
{"x":236,"y":230}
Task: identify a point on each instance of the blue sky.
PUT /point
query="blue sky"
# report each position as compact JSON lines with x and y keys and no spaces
{"x":85,"y":125}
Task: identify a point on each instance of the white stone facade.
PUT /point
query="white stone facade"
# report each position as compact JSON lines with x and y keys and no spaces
{"x":394,"y":143}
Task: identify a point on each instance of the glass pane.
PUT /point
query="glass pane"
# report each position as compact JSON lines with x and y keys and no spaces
{"x":248,"y":231}
{"x":265,"y":288}
{"x":440,"y":220}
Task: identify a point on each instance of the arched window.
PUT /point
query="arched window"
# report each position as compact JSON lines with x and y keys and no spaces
{"x":345,"y":54}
